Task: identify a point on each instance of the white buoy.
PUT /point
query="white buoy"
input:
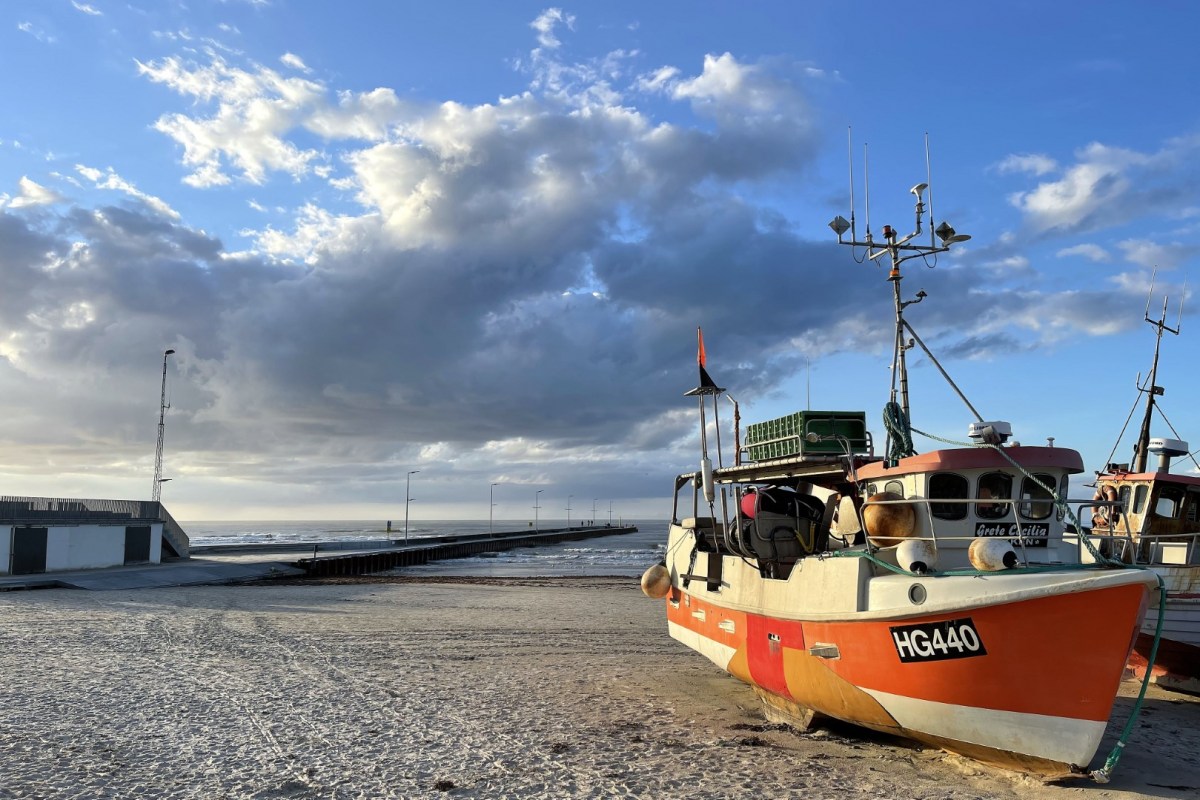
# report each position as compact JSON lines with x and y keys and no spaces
{"x":656,"y":582}
{"x":992,"y":555}
{"x":917,"y":555}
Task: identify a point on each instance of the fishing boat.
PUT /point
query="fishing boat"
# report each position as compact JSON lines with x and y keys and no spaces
{"x":1154,"y":520}
{"x":935,"y":596}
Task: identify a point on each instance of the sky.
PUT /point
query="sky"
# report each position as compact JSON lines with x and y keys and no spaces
{"x":475,"y":240}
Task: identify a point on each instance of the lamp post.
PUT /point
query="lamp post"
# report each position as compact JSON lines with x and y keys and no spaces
{"x":156,"y":489}
{"x":569,"y":511}
{"x":407,"y":499}
{"x":491,"y":506}
{"x":593,"y":522}
{"x":536,"y":529}
{"x":610,"y":513}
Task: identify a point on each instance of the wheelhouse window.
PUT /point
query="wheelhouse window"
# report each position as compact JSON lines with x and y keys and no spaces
{"x":948,"y":486}
{"x":993,"y":486}
{"x":1192,"y":512}
{"x":1139,"y":498}
{"x":896,"y":487}
{"x":1170,"y":501}
{"x":1037,"y":500}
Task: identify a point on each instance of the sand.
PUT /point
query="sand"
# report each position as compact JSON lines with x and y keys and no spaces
{"x":521,"y":688}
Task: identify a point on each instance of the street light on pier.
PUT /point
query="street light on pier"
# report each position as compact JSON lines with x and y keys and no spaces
{"x":569,"y":511}
{"x":593,"y":522}
{"x":156,"y":489}
{"x":610,"y":513}
{"x":491,"y":506}
{"x":536,"y":529}
{"x":408,"y":499}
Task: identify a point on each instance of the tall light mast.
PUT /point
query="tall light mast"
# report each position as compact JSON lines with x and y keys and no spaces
{"x":156,"y":490}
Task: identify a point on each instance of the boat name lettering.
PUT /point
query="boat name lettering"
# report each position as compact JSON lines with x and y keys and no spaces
{"x":1028,"y":534}
{"x":937,"y":641}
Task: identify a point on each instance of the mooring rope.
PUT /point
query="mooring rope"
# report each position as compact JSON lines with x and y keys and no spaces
{"x":900,"y":444}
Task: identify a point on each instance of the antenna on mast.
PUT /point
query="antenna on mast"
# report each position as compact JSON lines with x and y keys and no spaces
{"x":1150,"y":294}
{"x":850,"y":162}
{"x":929,"y":185}
{"x":1161,"y":322}
{"x":1179,"y":321}
{"x":867,"y":194}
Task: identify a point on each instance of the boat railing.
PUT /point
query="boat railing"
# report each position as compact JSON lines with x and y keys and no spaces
{"x":1118,"y":542}
{"x":1014,"y":525}
{"x":1145,"y":549}
{"x":1169,"y":549}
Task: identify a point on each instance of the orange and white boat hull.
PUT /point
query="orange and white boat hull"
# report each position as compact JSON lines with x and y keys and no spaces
{"x":1025,"y":681}
{"x":1177,"y":660}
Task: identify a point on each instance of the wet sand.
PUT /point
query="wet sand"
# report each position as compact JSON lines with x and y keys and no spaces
{"x":475,"y":688}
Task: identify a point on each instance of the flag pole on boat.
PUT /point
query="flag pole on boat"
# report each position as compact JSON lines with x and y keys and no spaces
{"x":707,"y":388}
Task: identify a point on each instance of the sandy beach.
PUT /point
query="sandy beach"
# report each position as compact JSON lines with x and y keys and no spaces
{"x":468,"y":688}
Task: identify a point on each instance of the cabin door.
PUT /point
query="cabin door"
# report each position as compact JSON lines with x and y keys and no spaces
{"x":137,"y":544}
{"x":28,"y":555}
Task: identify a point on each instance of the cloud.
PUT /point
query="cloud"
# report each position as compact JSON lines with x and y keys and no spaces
{"x":546,"y":23}
{"x":37,"y":33}
{"x":294,"y":61}
{"x":33,"y":194}
{"x":86,"y":8}
{"x":1092,"y":252}
{"x":1105,"y":182}
{"x":111,"y":180}
{"x":255,"y":110}
{"x":1156,"y":254}
{"x":1032,"y":163}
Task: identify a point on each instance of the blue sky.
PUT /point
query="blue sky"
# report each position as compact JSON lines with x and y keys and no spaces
{"x":476,"y":239}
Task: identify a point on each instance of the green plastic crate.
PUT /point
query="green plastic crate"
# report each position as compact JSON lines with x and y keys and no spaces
{"x":785,"y":436}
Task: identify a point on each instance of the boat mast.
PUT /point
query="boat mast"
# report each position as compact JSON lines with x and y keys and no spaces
{"x":898,"y":250}
{"x":1141,"y":450}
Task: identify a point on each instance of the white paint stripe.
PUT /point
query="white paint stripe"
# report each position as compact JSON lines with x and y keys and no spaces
{"x":1071,"y":741}
{"x":719,"y":654}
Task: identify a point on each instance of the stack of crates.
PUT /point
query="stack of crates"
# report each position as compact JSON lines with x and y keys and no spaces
{"x":784,"y":437}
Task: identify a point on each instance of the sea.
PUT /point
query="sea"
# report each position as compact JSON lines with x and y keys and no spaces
{"x":626,"y":554}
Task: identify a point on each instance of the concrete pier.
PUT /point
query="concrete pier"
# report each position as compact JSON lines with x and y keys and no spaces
{"x":438,"y":548}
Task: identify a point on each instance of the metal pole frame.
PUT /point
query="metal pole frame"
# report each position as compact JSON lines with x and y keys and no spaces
{"x":407,"y":499}
{"x":156,"y":489}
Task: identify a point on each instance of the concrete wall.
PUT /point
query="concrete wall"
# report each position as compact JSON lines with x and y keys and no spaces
{"x":82,"y":546}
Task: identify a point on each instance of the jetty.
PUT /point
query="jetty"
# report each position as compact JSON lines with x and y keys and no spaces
{"x":362,"y":557}
{"x":237,"y":563}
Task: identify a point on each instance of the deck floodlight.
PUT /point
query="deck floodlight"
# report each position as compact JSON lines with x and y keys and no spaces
{"x":839,"y":225}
